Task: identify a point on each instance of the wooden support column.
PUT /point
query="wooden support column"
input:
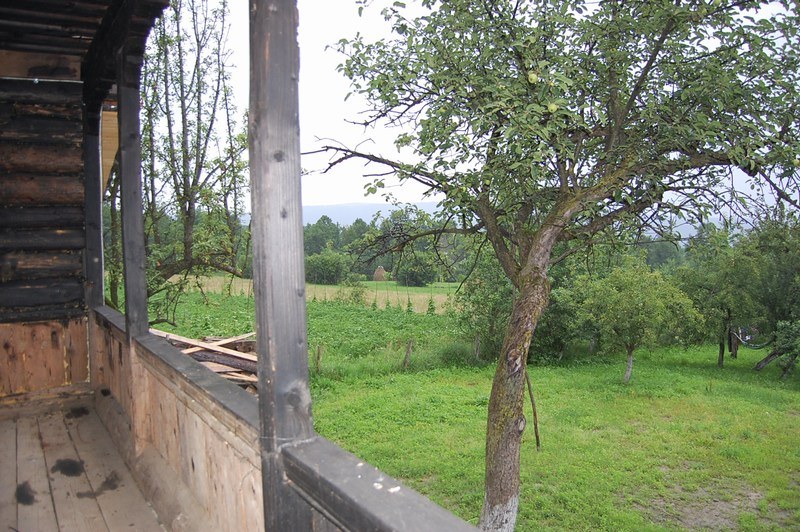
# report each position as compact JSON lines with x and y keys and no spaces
{"x":278,"y":271}
{"x":133,"y":249}
{"x":93,"y":208}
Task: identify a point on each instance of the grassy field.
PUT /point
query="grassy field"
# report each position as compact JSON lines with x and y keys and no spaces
{"x":379,"y":293}
{"x":684,"y":445}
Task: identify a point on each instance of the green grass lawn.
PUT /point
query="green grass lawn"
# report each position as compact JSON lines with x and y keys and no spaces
{"x":684,"y":445}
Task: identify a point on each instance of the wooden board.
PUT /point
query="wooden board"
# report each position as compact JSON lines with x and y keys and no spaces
{"x":32,"y":158}
{"x":32,"y":469}
{"x":72,"y":494}
{"x":30,"y":265}
{"x":38,"y":356}
{"x":205,"y":345}
{"x":8,"y":474}
{"x":121,"y":503}
{"x":41,"y":66}
{"x":37,"y":189}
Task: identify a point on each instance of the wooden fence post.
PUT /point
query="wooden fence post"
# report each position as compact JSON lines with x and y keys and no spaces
{"x":130,"y":158}
{"x":278,"y":271}
{"x":93,"y":208}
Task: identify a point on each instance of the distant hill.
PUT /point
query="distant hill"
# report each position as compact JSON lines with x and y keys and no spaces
{"x":347,"y":213}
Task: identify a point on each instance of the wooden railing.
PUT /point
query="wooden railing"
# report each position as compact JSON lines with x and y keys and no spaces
{"x":191,"y":440}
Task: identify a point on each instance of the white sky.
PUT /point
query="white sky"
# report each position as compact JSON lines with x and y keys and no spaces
{"x":323,"y":111}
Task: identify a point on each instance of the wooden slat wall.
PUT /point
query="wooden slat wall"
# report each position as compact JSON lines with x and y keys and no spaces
{"x":38,"y":356}
{"x":41,"y":201}
{"x":194,"y":460}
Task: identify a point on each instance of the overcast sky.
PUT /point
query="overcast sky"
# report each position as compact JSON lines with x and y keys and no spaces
{"x":323,"y":111}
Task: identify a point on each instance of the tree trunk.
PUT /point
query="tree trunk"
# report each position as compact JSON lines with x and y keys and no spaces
{"x":506,"y":421}
{"x":767,"y":359}
{"x":721,"y":357}
{"x":629,"y":369}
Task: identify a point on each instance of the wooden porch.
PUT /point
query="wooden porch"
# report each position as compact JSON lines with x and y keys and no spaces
{"x":61,"y":471}
{"x":84,"y":388}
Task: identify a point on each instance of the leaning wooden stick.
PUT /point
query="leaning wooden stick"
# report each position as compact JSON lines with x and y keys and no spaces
{"x":535,"y":415}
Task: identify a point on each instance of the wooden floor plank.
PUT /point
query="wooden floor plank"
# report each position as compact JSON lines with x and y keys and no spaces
{"x":8,"y":474}
{"x":35,"y":506}
{"x":122,"y":504}
{"x":76,"y":508}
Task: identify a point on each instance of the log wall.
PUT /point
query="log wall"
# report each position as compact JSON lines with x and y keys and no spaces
{"x":39,"y":356}
{"x":195,"y":459}
{"x":41,"y":201}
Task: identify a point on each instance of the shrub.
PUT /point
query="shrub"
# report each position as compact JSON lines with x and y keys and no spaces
{"x":418,"y":269}
{"x":328,"y":267}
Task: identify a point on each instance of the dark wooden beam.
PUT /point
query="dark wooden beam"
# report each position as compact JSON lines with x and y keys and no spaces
{"x":43,"y":92}
{"x":126,"y":23}
{"x":19,"y":265}
{"x":32,"y":293}
{"x":278,"y":277}
{"x":93,"y":207}
{"x":133,"y":248}
{"x":39,"y":159}
{"x":357,"y":496}
{"x":63,"y":217}
{"x":41,"y":239}
{"x":33,"y":189}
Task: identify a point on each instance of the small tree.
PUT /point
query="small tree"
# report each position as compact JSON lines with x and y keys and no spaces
{"x":328,"y":267}
{"x":545,"y":124}
{"x":416,"y":269}
{"x":631,"y":307}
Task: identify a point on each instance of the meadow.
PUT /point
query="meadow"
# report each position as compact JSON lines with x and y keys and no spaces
{"x":684,"y":445}
{"x":377,"y":293}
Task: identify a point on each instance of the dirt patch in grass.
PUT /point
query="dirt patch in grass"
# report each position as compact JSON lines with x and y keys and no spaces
{"x":712,"y":508}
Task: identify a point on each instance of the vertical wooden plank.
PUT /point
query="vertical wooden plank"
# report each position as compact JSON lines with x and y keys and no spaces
{"x":194,"y":456}
{"x":122,"y":504}
{"x":76,"y":508}
{"x":77,"y":350}
{"x":93,"y":208}
{"x":8,"y":474}
{"x":133,"y":249}
{"x":278,"y":270}
{"x":37,"y":513}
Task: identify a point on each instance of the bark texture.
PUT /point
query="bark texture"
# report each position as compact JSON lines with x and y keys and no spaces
{"x":629,"y":368}
{"x":506,"y":422}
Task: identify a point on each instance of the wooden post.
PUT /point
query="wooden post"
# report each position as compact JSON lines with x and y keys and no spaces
{"x":128,"y":69}
{"x":93,"y":208}
{"x":278,"y":271}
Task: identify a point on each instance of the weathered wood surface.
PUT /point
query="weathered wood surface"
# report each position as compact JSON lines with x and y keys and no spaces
{"x":43,"y":66}
{"x":277,"y":232}
{"x":120,"y":501}
{"x":130,"y":158}
{"x":24,"y":124}
{"x":200,"y":428}
{"x":21,"y":217}
{"x":358,"y":496}
{"x":8,"y":474}
{"x":204,"y":345}
{"x":36,"y":265}
{"x":36,"y":292}
{"x":39,"y":514}
{"x":41,"y":239}
{"x":38,"y":356}
{"x":41,"y":92}
{"x":38,"y":189}
{"x":93,"y":207}
{"x":67,"y":473}
{"x":37,"y":159}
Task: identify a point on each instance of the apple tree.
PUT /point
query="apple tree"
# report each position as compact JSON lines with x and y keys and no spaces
{"x":546,"y":124}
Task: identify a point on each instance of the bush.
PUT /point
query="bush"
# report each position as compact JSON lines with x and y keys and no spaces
{"x":418,"y":269}
{"x":484,"y":305}
{"x":328,"y":267}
